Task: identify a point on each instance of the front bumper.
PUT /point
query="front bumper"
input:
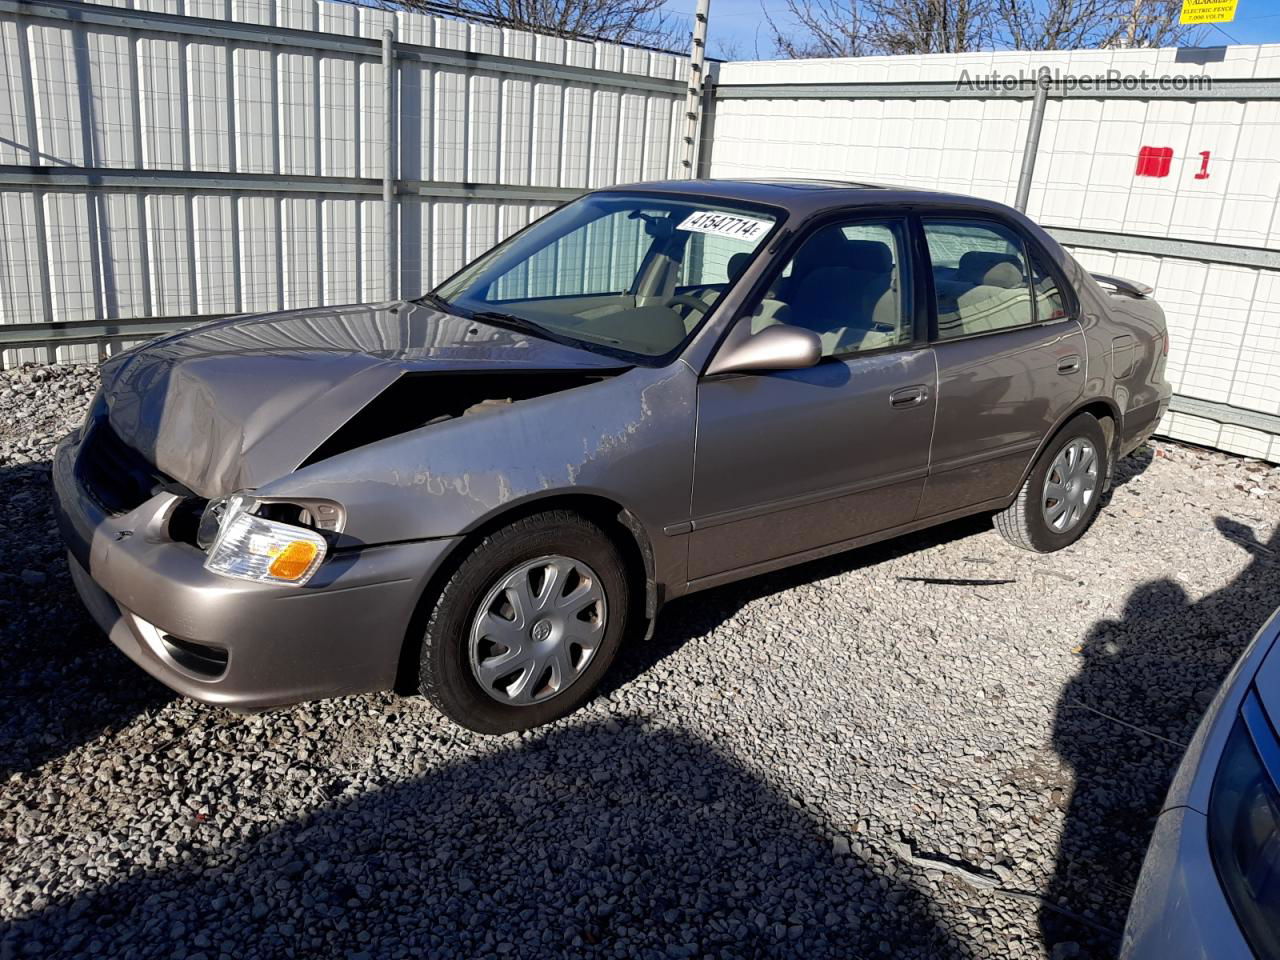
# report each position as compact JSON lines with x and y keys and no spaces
{"x":342,"y":633}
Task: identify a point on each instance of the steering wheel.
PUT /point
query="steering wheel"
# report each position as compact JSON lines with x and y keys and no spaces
{"x":685,"y":300}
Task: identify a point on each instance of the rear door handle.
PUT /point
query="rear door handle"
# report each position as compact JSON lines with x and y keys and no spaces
{"x":909,"y":396}
{"x":1069,"y":364}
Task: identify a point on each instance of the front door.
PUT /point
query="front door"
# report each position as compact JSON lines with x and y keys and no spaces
{"x":791,"y":461}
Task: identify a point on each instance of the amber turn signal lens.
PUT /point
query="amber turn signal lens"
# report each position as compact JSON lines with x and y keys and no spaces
{"x":293,"y":560}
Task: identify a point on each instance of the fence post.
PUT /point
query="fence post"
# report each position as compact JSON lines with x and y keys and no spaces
{"x":1033,"y":144}
{"x":693,"y":99}
{"x":391,"y":252}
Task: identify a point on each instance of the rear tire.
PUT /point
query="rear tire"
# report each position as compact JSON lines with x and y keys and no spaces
{"x":554,"y":587}
{"x":1061,"y":496}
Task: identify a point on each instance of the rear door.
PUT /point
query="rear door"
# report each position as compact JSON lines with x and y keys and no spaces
{"x":1010,"y":354}
{"x":791,"y":461}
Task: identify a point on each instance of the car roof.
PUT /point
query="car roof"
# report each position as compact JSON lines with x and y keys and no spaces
{"x":804,"y":197}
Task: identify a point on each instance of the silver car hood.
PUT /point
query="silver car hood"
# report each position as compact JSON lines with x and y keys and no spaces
{"x":236,"y":403}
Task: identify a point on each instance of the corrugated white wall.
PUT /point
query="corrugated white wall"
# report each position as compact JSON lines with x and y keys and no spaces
{"x":1224,"y":319}
{"x":107,"y":98}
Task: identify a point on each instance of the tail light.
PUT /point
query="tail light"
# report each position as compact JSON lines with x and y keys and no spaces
{"x":1164,"y":344}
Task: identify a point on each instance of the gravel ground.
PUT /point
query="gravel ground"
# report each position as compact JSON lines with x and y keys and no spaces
{"x":908,"y":750}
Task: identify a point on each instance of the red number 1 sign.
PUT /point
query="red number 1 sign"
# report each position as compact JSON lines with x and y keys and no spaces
{"x":1204,"y":166}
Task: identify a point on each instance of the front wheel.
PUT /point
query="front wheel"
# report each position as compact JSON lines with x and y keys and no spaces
{"x":527,"y":625}
{"x":1061,"y":495}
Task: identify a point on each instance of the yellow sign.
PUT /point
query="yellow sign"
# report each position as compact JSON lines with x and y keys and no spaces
{"x":1208,"y":11}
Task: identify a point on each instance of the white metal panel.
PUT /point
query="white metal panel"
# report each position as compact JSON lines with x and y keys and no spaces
{"x":259,"y":253}
{"x":297,"y":106}
{"x":207,"y":79}
{"x":123,"y":97}
{"x":340,"y":276}
{"x":21,"y":280}
{"x":120,"y":239}
{"x":162,"y":103}
{"x":112,"y":116}
{"x":448,"y":219}
{"x":373,"y":251}
{"x":215,"y":243}
{"x":15,"y":141}
{"x":450,"y":126}
{"x":517,"y":130}
{"x":338,"y":115}
{"x":72,"y":281}
{"x":254,"y":81}
{"x":547,"y":108}
{"x":169,"y":251}
{"x":299,"y":248}
{"x":483,"y":130}
{"x":57,"y":95}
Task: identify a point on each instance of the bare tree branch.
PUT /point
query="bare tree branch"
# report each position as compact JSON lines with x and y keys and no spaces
{"x":852,"y":28}
{"x":641,"y":22}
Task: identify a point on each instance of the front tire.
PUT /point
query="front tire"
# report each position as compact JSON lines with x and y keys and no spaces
{"x":1061,"y":496}
{"x":527,"y":625}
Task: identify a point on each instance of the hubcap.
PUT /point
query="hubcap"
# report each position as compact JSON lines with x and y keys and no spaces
{"x":1070,"y":485}
{"x":537,"y":629}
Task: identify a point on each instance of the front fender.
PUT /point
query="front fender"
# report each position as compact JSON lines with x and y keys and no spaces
{"x":628,"y":439}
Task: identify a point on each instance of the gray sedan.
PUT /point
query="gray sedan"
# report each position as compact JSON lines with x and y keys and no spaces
{"x":650,"y":391}
{"x":1210,"y":885}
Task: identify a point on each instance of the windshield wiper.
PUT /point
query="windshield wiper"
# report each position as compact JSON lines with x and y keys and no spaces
{"x":511,"y":320}
{"x":437,"y":301}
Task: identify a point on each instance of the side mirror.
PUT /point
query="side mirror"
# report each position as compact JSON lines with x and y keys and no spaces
{"x":778,"y":347}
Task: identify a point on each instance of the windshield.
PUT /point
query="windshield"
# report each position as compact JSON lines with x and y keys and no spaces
{"x":625,"y":272}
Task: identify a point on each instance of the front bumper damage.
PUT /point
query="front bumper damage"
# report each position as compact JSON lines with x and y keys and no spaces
{"x":232,"y":642}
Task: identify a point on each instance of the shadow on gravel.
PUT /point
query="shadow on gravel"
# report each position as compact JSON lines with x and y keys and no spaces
{"x":691,"y":617}
{"x":1156,"y":668}
{"x":62,"y":683}
{"x":594,"y":840}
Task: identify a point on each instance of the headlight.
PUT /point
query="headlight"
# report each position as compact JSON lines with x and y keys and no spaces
{"x":250,"y":547}
{"x":1244,"y":827}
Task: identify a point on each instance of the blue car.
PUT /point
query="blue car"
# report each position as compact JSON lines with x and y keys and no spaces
{"x":1210,"y":884}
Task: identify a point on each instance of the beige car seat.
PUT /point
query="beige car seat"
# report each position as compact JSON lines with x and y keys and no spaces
{"x":994,"y":295}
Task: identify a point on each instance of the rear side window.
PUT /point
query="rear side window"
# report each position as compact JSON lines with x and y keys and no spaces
{"x":981,"y":278}
{"x":1050,"y":303}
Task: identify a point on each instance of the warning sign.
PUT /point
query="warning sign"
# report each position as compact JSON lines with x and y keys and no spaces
{"x":1208,"y":11}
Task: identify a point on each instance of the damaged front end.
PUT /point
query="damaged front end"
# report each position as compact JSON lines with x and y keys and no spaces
{"x":213,"y":416}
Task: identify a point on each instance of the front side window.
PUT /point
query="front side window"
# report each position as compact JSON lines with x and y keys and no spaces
{"x":630,"y":273}
{"x":846,"y":283}
{"x":980,"y":277}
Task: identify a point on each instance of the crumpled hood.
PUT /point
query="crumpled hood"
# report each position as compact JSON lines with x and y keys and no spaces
{"x":237,"y":403}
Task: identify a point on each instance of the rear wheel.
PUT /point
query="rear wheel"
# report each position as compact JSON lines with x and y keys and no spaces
{"x":1061,"y":495}
{"x":527,"y":625}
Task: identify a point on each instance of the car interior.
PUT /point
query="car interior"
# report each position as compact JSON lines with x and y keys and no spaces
{"x":844,"y":283}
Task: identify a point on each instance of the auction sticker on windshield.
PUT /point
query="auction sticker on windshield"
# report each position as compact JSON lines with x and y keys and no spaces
{"x":746,"y":229}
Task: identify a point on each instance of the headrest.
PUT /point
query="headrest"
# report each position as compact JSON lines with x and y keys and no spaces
{"x":737,"y":263}
{"x":870,"y":256}
{"x":1004,"y":274}
{"x":976,"y":264}
{"x":827,"y":248}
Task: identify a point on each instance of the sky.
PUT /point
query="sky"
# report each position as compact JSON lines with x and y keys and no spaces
{"x":739,"y":28}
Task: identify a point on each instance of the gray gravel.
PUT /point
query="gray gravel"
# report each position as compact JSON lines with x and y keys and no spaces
{"x":856,"y":758}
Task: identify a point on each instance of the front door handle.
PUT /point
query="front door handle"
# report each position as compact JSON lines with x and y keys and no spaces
{"x":1069,"y":364}
{"x":909,"y":396}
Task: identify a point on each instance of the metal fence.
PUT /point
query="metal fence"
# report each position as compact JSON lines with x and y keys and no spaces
{"x":1204,"y":231}
{"x":206,"y":157}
